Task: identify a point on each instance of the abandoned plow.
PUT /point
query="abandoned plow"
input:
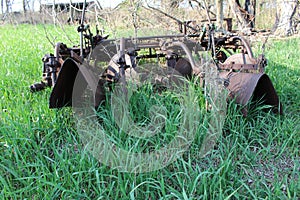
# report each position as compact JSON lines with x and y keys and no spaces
{"x":100,"y":62}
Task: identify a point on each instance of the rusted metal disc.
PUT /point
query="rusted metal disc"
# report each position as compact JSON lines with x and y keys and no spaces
{"x":243,"y":86}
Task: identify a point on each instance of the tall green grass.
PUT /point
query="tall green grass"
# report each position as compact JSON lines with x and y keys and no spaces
{"x":42,"y":157}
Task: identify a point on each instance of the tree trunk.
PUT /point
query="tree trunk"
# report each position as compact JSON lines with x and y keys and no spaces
{"x":250,"y":7}
{"x":242,"y":23}
{"x":2,"y":9}
{"x":7,"y":2}
{"x":220,"y":14}
{"x":24,"y":6}
{"x":285,"y":11}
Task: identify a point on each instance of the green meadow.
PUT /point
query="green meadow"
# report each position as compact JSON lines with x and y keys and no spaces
{"x":42,"y":157}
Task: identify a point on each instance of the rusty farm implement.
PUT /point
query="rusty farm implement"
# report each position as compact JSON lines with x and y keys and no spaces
{"x":116,"y":60}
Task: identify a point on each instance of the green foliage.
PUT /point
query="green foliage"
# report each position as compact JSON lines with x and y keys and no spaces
{"x":42,"y":157}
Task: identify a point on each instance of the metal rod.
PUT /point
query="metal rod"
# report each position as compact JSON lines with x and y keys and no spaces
{"x":81,"y":31}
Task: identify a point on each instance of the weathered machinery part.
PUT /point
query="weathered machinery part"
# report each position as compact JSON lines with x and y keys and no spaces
{"x":100,"y":94}
{"x":245,"y":44}
{"x":50,"y":70}
{"x":166,"y":49}
{"x":221,"y":56}
{"x":89,"y":76}
{"x":113,"y":73}
{"x":122,"y":66}
{"x":244,"y":63}
{"x":59,"y":62}
{"x":57,"y":50}
{"x":245,"y":77}
{"x":187,"y":52}
{"x":240,"y":58}
{"x":61,"y":94}
{"x":243,"y":86}
{"x":75,"y":76}
{"x":38,"y":86}
{"x":241,"y":63}
{"x":184,"y":67}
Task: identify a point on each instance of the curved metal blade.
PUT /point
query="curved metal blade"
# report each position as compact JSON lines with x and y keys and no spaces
{"x":61,"y":94}
{"x":243,"y":86}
